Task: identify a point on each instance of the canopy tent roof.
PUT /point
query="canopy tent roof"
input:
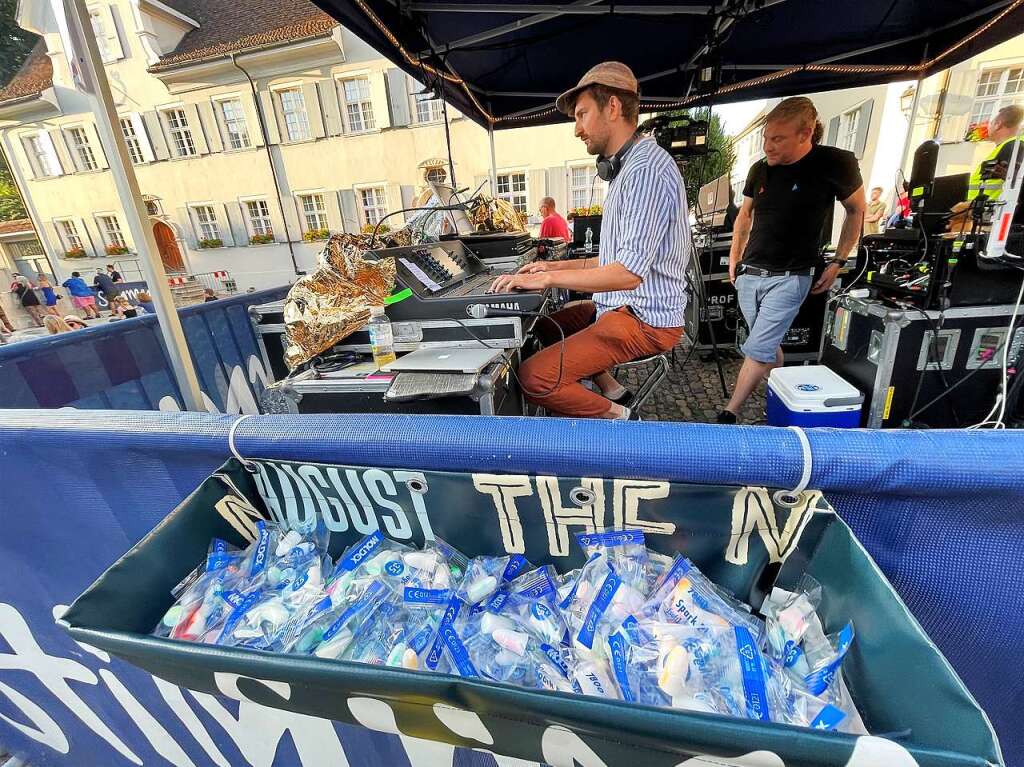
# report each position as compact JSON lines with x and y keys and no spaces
{"x":503,"y":62}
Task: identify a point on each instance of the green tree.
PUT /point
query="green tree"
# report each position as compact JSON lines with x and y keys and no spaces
{"x":11,"y":206}
{"x":15,"y":46}
{"x":698,"y":171}
{"x":15,"y":42}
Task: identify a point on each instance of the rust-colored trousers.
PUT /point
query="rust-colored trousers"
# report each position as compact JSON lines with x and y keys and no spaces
{"x":590,"y":348}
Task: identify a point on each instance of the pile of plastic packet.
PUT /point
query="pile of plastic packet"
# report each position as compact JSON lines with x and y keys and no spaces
{"x":630,"y":625}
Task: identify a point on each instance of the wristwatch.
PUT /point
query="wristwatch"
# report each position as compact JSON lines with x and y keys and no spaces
{"x":840,"y":262}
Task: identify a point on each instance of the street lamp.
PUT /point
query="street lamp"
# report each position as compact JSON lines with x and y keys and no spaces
{"x":907,"y":100}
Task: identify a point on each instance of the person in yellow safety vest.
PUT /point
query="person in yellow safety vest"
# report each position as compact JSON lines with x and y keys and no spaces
{"x":988,"y":177}
{"x":990,"y":173}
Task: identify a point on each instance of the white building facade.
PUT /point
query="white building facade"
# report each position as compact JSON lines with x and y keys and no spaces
{"x":251,"y":140}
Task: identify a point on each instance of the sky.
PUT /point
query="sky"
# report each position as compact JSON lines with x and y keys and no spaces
{"x":736,"y":116}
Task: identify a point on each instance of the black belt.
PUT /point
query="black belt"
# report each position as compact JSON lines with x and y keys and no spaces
{"x":756,"y":271}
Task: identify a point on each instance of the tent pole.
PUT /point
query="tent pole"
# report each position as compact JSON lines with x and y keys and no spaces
{"x":87,"y":58}
{"x":910,"y":125}
{"x":494,"y":164}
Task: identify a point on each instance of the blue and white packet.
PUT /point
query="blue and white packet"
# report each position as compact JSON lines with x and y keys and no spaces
{"x":626,"y":551}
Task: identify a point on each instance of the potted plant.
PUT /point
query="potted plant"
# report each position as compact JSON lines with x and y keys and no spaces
{"x":977,"y":132}
{"x":312,"y":235}
{"x":369,"y":228}
{"x":261,"y":239}
{"x":74,"y":253}
{"x":116,"y":250}
{"x":212,"y":242}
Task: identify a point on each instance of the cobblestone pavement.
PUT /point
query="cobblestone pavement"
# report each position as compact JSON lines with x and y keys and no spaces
{"x":693,"y":392}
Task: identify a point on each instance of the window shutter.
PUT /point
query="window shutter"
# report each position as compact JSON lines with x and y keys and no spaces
{"x":233,"y":228}
{"x":252,"y":119}
{"x":110,"y":24}
{"x":398,"y":86}
{"x":54,"y":143}
{"x":334,"y":217}
{"x":313,"y":113}
{"x":295,"y":209}
{"x":269,"y":106}
{"x":91,"y":240}
{"x":408,"y":196}
{"x":332,"y":108}
{"x":211,"y":121}
{"x":195,"y":126}
{"x":863,"y":127}
{"x":143,"y":135}
{"x":956,"y":117}
{"x":379,"y":99}
{"x":536,"y":188}
{"x":349,"y":211}
{"x":833,"y":131}
{"x":53,"y":239}
{"x":188,"y":228}
{"x":155,"y":131}
{"x":558,"y":188}
{"x":97,"y":146}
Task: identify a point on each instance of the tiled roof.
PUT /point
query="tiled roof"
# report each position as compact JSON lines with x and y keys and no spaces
{"x":34,"y":77}
{"x":230,"y":26}
{"x":16,"y":226}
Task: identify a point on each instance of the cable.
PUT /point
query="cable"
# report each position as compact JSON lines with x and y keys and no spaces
{"x":933,"y":347}
{"x":376,"y":228}
{"x":561,"y":355}
{"x":1000,"y":403}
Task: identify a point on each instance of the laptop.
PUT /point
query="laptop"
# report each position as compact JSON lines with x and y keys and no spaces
{"x":444,"y":361}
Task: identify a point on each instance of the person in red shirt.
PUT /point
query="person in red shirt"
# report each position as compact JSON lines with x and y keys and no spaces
{"x":553,"y":225}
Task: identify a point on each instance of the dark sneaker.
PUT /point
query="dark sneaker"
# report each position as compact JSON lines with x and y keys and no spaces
{"x":726,"y":416}
{"x":626,"y":399}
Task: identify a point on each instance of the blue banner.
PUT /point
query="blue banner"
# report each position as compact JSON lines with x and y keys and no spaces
{"x":124,"y":366}
{"x":81,"y":488}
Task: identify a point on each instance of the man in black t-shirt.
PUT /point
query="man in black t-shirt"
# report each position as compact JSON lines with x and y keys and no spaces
{"x":776,"y":243}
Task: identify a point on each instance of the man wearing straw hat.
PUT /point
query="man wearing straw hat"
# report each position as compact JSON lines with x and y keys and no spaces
{"x":638,"y":281}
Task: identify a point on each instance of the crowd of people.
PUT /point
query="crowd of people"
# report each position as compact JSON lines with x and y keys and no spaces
{"x":39,"y":300}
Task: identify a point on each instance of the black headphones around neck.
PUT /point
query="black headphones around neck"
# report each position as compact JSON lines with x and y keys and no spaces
{"x":609,"y":167}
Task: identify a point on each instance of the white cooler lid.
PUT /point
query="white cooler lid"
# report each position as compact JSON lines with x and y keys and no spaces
{"x":814,"y":387}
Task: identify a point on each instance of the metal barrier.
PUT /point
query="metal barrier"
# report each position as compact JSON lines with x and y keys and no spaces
{"x":220,"y":282}
{"x":124,"y":366}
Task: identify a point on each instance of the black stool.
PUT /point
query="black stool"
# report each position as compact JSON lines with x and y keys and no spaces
{"x":657,"y":375}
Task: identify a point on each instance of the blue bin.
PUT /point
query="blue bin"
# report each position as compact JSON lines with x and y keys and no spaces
{"x":812,"y":395}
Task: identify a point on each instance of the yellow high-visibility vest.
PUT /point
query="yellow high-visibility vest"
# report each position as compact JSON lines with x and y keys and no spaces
{"x":992,"y":187}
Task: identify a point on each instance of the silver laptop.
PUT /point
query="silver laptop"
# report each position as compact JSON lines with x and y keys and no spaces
{"x":444,"y":361}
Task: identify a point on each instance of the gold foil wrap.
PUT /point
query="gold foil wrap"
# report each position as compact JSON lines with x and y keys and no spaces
{"x":334,"y":301}
{"x":494,"y":215}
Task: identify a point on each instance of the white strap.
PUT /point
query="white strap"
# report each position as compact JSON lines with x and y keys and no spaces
{"x":792,"y":498}
{"x":249,"y":465}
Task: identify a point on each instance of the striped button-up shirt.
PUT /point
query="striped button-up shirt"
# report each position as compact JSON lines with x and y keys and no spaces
{"x":646,"y":229}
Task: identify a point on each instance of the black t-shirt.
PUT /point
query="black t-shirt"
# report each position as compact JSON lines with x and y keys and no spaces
{"x":791,"y":203}
{"x":26,"y":294}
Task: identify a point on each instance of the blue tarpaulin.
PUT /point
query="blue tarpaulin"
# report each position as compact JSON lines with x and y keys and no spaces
{"x":939,"y":511}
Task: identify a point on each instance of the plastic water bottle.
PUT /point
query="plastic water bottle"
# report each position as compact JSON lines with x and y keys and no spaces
{"x":588,"y":243}
{"x":382,"y":339}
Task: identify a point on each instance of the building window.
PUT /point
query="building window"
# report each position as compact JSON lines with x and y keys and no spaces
{"x":131,"y":139}
{"x":293,"y":107}
{"x":234,"y":124}
{"x":848,"y":124}
{"x":314,"y":212}
{"x":437,"y":175}
{"x":426,"y":110}
{"x":20,"y":249}
{"x":584,"y":188}
{"x":181,"y":135}
{"x":85,"y":158}
{"x":69,"y":237}
{"x":259,"y":218}
{"x":99,"y":30}
{"x":206,"y":221}
{"x":112,"y":232}
{"x":375,"y":205}
{"x":512,"y":188}
{"x":997,"y":88}
{"x":41,"y":155}
{"x":358,"y":107}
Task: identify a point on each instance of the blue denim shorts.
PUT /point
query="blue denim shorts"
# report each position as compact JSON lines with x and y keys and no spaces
{"x":769,"y":305}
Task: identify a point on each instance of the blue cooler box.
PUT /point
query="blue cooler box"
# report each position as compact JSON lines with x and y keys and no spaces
{"x":812,"y":395}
